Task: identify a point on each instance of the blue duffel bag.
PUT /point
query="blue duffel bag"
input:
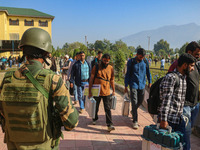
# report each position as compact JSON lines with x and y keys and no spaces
{"x":165,"y":138}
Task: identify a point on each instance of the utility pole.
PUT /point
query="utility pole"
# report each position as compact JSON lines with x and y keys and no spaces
{"x":148,"y":41}
{"x":86,"y":43}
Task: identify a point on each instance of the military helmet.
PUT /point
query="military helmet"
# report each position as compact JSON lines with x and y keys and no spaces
{"x":38,"y":38}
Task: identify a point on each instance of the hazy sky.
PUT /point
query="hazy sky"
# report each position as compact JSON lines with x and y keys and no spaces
{"x":110,"y":19}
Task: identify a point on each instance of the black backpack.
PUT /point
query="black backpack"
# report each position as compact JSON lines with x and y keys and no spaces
{"x":154,"y":95}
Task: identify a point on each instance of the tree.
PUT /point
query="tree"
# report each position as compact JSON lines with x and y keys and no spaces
{"x":176,"y":50}
{"x":69,"y":48}
{"x":131,"y":48}
{"x":107,"y":44}
{"x":162,"y":53}
{"x":120,"y":45}
{"x":76,"y":51}
{"x":161,"y":45}
{"x":99,"y":45}
{"x":198,"y":42}
{"x":119,"y":63}
{"x":90,"y":46}
{"x":170,"y":52}
{"x":65,"y":47}
{"x":182,"y":49}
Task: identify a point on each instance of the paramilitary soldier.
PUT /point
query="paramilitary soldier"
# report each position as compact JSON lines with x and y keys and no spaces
{"x":34,"y":101}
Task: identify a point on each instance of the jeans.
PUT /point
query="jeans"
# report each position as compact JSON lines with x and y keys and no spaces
{"x":179,"y":127}
{"x":161,"y":67}
{"x":137,"y":97}
{"x":81,"y":98}
{"x":10,"y":63}
{"x":75,"y":92}
{"x":107,"y":106}
{"x":191,"y":113}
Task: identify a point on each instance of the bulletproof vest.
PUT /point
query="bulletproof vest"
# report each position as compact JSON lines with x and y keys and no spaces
{"x":25,"y":108}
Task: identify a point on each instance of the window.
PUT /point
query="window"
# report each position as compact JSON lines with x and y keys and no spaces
{"x":28,"y":23}
{"x":14,"y":36}
{"x":14,"y":22}
{"x":43,"y":23}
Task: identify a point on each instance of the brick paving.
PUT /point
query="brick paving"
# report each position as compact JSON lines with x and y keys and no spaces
{"x":95,"y":137}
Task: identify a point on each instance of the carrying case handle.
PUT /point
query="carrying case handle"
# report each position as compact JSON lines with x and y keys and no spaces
{"x":169,"y":128}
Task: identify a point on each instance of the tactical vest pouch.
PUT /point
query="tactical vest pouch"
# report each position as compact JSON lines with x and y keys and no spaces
{"x":26,"y":112}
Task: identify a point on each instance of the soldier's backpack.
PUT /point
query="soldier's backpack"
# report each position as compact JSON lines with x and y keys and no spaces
{"x":154,"y":96}
{"x":26,"y":108}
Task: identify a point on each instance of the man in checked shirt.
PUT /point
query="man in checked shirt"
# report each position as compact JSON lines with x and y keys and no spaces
{"x":171,"y":108}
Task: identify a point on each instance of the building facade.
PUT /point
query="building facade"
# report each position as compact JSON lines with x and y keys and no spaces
{"x":13,"y":23}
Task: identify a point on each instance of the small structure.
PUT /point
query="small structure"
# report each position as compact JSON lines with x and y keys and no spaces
{"x":13,"y":23}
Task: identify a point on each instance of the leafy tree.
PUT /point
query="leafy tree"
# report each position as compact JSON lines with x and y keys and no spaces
{"x":76,"y":51}
{"x":58,"y":52}
{"x":99,"y":45}
{"x":198,"y":42}
{"x":162,"y":53}
{"x":75,"y":45}
{"x":182,"y":49}
{"x":69,"y":48}
{"x":65,"y":47}
{"x":161,"y":45}
{"x":90,"y":46}
{"x":131,"y":48}
{"x":176,"y":50}
{"x":120,"y":45}
{"x":119,"y":63}
{"x":170,"y":52}
{"x":107,"y":44}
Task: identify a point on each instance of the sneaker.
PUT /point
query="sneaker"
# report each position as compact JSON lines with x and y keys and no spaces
{"x":80,"y":111}
{"x":135,"y":125}
{"x":94,"y":122}
{"x":110,"y":128}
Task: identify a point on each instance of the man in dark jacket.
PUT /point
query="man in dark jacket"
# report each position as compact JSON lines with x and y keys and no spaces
{"x":96,"y":60}
{"x":80,"y":73}
{"x":191,"y":107}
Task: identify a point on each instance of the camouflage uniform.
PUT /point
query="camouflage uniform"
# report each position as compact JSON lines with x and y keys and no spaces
{"x":60,"y":96}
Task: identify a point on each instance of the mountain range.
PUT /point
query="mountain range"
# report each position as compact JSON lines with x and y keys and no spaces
{"x":175,"y":35}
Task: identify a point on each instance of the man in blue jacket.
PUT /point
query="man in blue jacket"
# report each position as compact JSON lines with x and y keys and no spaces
{"x":80,"y":73}
{"x":137,"y":70}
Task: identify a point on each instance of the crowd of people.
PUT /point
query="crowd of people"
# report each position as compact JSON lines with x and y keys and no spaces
{"x":9,"y":62}
{"x":179,"y":102}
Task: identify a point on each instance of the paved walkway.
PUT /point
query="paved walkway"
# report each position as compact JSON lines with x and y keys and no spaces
{"x":95,"y":137}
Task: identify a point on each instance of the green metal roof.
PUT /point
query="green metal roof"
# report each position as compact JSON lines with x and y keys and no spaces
{"x":11,"y":11}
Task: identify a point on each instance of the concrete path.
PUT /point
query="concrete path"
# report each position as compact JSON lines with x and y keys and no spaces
{"x":95,"y":137}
